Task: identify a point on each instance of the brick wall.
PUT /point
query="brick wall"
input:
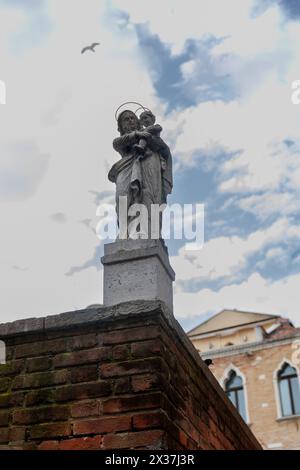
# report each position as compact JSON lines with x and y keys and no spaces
{"x":118,"y":378}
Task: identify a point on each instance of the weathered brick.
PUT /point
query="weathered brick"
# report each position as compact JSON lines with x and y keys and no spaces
{"x":82,"y":391}
{"x":189,"y":429}
{"x":38,"y":348}
{"x":122,"y":385}
{"x":11,"y":368}
{"x":148,"y":420}
{"x":121,"y":352}
{"x":145,"y":439}
{"x":84,"y":374}
{"x":131,"y":334}
{"x":41,"y":397}
{"x":142,"y":383}
{"x":49,"y":445}
{"x":84,"y":409}
{"x":139,"y":402}
{"x":41,"y":379}
{"x":4,"y":435}
{"x":41,"y":431}
{"x":4,"y":418}
{"x":82,"y":357}
{"x":131,"y":367}
{"x":102,"y":425}
{"x":38,"y":364}
{"x":84,"y":341}
{"x":171,"y":426}
{"x":4,"y":400}
{"x":17,"y":433}
{"x":9,"y":399}
{"x":38,"y":415}
{"x":183,"y":439}
{"x":146,"y":348}
{"x":81,"y":443}
{"x":29,"y":446}
{"x":4,"y":384}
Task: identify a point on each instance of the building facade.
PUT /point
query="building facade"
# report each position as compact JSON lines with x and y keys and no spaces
{"x":256,"y":359}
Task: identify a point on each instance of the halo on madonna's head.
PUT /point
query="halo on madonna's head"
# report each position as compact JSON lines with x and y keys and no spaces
{"x":118,"y":111}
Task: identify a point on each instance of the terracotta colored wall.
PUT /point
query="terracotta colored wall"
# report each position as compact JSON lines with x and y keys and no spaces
{"x":259,"y":370}
{"x":125,"y":377}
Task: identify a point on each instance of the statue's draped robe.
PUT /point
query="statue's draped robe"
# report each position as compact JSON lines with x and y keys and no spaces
{"x":140,"y":177}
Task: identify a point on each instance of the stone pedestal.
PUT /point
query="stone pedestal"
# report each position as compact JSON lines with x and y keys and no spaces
{"x":137,"y":270}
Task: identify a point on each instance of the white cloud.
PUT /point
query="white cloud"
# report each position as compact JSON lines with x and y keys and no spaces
{"x":255,"y":294}
{"x":22,"y":168}
{"x":261,"y":56}
{"x":226,"y":257}
{"x":175,"y":21}
{"x":63,"y":104}
{"x":278,"y":256}
{"x":266,"y":204}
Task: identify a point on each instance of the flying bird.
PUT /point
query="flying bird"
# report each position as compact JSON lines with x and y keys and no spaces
{"x":90,"y":48}
{"x":19,"y":268}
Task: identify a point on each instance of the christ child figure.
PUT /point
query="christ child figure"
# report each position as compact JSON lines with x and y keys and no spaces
{"x":147,"y":121}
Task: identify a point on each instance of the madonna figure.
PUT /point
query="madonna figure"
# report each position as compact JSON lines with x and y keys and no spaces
{"x":144,"y":176}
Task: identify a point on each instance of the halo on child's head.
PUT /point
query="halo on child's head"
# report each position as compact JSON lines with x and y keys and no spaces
{"x":118,"y":112}
{"x":143,"y":108}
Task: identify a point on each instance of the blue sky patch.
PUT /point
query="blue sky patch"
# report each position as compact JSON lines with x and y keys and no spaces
{"x":178,"y":91}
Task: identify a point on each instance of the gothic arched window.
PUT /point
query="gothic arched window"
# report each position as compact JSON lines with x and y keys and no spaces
{"x":234,"y":389}
{"x":289,"y":390}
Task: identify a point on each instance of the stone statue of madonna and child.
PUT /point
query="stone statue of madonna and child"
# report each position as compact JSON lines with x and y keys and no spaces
{"x":136,"y":265}
{"x":143,"y":175}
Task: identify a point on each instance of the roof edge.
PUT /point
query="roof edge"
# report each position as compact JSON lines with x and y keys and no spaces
{"x":270,"y":316}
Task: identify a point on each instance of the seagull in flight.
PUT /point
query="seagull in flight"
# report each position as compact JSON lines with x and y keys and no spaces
{"x":90,"y":48}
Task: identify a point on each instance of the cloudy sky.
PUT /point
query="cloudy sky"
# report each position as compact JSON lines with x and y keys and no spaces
{"x":218,"y":76}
